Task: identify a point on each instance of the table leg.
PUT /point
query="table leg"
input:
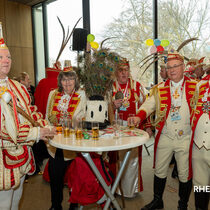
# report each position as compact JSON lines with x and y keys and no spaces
{"x":118,"y":177}
{"x":101,"y":180}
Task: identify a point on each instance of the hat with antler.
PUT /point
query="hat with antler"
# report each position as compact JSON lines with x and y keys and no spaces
{"x":2,"y":43}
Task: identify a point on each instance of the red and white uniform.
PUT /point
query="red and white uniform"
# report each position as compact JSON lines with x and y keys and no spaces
{"x":200,"y":122}
{"x":16,"y":159}
{"x":131,"y":181}
{"x":171,"y":103}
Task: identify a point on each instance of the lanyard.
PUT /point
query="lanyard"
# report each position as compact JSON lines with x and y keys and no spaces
{"x":176,"y":95}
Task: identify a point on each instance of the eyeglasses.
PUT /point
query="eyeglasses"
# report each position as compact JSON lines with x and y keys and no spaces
{"x":67,"y":80}
{"x":173,"y":67}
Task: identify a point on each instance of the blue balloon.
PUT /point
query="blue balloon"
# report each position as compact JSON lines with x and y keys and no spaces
{"x":157,"y":42}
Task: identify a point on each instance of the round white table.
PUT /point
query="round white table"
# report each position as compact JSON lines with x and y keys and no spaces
{"x":105,"y":143}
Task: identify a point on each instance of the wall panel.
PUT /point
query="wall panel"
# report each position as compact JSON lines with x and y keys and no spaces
{"x":17,"y":26}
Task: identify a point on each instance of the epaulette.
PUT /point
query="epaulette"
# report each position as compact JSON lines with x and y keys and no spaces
{"x":154,"y":88}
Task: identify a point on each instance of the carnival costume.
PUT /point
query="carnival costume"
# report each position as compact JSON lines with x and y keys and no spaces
{"x":171,"y":103}
{"x":131,"y":181}
{"x":200,"y":144}
{"x":20,"y":127}
{"x":60,"y":104}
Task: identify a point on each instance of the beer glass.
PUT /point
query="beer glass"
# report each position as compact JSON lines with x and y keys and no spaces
{"x":78,"y":129}
{"x":95,"y":130}
{"x":59,"y":123}
{"x":131,"y":126}
{"x":66,"y":127}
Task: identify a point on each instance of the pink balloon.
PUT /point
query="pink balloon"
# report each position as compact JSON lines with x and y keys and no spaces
{"x":153,"y":49}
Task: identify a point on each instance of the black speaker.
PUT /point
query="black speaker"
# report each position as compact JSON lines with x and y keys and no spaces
{"x":79,"y":39}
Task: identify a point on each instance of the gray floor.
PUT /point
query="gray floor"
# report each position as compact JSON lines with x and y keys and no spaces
{"x":36,"y":195}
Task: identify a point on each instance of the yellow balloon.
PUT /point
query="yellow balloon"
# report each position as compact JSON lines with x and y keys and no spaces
{"x":149,"y":42}
{"x":94,"y":45}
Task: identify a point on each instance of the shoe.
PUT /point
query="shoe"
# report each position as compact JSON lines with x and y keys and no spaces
{"x":157,"y":202}
{"x":53,"y":208}
{"x":184,"y":194}
{"x":73,"y":206}
{"x":154,"y":204}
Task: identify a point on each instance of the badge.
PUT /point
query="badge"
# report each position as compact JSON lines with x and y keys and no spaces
{"x":122,"y":108}
{"x":175,"y":114}
{"x":126,"y":103}
{"x":181,"y":132}
{"x":206,"y":107}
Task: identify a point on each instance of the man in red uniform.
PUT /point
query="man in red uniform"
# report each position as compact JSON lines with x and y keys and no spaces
{"x":131,"y":97}
{"x":17,"y":133}
{"x":171,"y":102}
{"x":200,"y":144}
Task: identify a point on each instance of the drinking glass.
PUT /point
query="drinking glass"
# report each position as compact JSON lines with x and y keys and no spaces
{"x":95,"y":130}
{"x":78,"y":128}
{"x":131,"y":126}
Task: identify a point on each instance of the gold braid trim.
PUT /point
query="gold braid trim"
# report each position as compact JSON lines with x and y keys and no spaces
{"x":194,"y":99}
{"x":51,"y":116}
{"x":160,"y":115}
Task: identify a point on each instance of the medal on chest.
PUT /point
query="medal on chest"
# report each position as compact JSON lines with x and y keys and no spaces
{"x":126,"y":96}
{"x":206,"y":107}
{"x":206,"y":102}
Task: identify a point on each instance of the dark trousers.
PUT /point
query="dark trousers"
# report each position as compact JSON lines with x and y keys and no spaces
{"x":57,"y":169}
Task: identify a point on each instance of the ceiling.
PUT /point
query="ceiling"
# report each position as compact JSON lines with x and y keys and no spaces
{"x":30,"y":2}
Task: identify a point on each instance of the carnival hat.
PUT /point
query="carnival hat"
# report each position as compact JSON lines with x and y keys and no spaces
{"x":123,"y":62}
{"x":194,"y":63}
{"x":174,"y":55}
{"x":2,"y":43}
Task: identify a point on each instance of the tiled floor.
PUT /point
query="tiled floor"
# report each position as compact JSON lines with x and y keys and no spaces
{"x":36,"y":195}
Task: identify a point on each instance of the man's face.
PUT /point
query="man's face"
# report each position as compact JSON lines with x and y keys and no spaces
{"x":199,"y":71}
{"x":163,"y":72}
{"x":26,"y":82}
{"x":175,"y":70}
{"x":123,"y":74}
{"x":5,"y":63}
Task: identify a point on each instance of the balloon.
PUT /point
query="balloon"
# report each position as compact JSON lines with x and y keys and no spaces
{"x":157,"y":42}
{"x":94,"y":45}
{"x":149,"y":42}
{"x":90,"y":37}
{"x":153,"y":49}
{"x":164,"y":43}
{"x":160,"y":48}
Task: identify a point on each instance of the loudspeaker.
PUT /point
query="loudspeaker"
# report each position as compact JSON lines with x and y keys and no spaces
{"x":79,"y":39}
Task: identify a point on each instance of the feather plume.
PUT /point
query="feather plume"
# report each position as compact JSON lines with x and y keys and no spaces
{"x":96,"y":72}
{"x":185,"y":43}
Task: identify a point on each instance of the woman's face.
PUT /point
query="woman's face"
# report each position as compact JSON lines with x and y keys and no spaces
{"x":68,"y":84}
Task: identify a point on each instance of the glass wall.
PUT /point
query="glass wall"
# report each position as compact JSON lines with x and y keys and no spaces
{"x":38,"y":43}
{"x":130,"y":23}
{"x":69,"y":11}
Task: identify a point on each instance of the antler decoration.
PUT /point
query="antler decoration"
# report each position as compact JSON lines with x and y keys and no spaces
{"x":65,"y":37}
